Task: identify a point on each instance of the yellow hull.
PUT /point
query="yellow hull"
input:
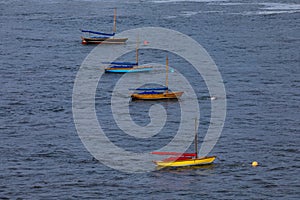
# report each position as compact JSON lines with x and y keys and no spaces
{"x":165,"y":95}
{"x":189,"y":162}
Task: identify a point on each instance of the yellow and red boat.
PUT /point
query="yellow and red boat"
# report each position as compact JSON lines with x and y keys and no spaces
{"x":156,"y":93}
{"x":184,"y":159}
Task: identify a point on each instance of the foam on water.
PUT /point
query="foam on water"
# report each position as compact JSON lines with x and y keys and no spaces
{"x":281,"y":6}
{"x":176,"y":1}
{"x":278,"y":8}
{"x":275,"y":8}
{"x":263,"y":8}
{"x":188,"y":13}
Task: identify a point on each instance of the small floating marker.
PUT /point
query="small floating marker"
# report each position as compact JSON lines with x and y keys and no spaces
{"x":213,"y":98}
{"x":254,"y":164}
{"x":146,"y":42}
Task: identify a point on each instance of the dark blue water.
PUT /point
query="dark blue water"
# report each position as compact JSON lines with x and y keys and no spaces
{"x":255,"y":45}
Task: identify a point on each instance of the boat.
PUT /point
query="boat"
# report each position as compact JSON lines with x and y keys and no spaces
{"x":156,"y":93}
{"x":184,"y":159}
{"x":101,"y":37}
{"x":127,"y":67}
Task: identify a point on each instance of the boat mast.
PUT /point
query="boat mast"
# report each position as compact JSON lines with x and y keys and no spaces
{"x":196,"y":138}
{"x":115,"y":19}
{"x":137,"y":50}
{"x":167,"y":69}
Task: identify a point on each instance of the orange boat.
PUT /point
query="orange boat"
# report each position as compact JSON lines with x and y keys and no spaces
{"x":156,"y":93}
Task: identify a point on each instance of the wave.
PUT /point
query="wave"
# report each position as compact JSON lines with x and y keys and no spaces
{"x":176,"y":1}
{"x":280,"y":6}
{"x":275,"y":8}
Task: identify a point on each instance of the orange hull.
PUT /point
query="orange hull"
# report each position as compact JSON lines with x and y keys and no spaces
{"x":165,"y":95}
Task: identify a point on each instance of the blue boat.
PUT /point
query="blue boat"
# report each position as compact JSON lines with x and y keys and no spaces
{"x":127,"y":67}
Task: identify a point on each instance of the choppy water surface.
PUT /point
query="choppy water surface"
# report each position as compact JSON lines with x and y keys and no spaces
{"x":256,"y":47}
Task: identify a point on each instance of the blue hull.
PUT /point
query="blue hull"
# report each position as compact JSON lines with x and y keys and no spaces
{"x":127,"y":70}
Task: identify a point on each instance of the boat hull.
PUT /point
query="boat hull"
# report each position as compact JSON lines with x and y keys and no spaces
{"x":165,"y":95}
{"x":187,"y":162}
{"x":128,"y":70}
{"x":103,"y":40}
